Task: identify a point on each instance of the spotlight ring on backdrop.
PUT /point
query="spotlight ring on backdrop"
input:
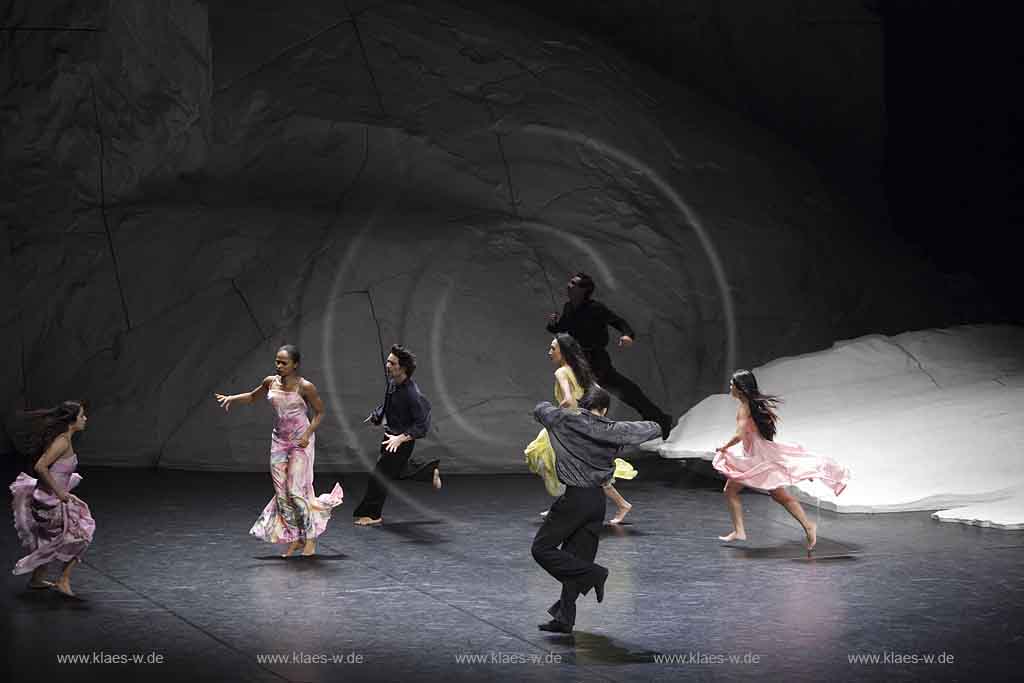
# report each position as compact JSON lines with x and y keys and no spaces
{"x":602,"y":268}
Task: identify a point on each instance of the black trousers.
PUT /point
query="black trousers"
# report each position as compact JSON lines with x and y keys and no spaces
{"x":574,"y":523}
{"x":392,"y":467}
{"x":623,"y":388}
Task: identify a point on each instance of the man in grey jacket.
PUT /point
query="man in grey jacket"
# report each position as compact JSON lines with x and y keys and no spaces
{"x":585,"y":444}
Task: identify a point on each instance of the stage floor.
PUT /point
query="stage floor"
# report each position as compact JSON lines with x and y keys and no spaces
{"x":447,"y":589}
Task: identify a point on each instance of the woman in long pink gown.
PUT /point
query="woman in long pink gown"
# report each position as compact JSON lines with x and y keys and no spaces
{"x":295,"y":515}
{"x":766,"y":464}
{"x":52,"y":523}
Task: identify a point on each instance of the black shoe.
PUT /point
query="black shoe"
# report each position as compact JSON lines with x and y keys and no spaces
{"x":599,"y":586}
{"x":555,"y":626}
{"x":666,"y":426}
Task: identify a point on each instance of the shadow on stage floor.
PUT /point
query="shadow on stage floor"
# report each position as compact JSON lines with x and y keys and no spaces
{"x":174,"y":588}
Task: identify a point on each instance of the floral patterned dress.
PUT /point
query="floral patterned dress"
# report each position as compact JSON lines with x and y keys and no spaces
{"x":295,"y":513}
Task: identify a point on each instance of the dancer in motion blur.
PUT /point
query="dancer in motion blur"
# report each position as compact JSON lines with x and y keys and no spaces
{"x":405,"y":415}
{"x":587,"y":320}
{"x":573,"y":378}
{"x":52,"y":523}
{"x":295,"y":515}
{"x":766,"y":464}
{"x":586,"y":443}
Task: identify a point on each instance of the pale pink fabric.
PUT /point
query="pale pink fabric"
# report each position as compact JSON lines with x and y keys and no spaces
{"x":295,"y":512}
{"x":767,"y":465}
{"x":49,"y":529}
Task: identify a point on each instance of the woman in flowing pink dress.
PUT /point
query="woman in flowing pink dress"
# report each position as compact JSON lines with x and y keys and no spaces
{"x":295,"y":515}
{"x":52,"y":523}
{"x":765,"y":464}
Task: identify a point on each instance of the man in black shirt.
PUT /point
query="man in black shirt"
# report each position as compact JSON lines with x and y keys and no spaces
{"x":587,"y":320}
{"x":585,"y":444}
{"x":405,"y":413}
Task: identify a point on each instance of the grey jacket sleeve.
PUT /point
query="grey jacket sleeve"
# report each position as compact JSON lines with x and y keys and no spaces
{"x":545,"y":413}
{"x":634,"y":433}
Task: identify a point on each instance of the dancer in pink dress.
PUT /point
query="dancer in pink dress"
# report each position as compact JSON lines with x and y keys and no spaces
{"x":52,"y":523}
{"x":765,"y":464}
{"x":295,"y":515}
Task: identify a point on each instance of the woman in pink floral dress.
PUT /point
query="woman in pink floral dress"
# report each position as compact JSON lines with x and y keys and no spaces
{"x":295,"y":515}
{"x":52,"y":523}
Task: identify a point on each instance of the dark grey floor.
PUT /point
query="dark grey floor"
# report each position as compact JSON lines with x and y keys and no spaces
{"x":173,"y":572}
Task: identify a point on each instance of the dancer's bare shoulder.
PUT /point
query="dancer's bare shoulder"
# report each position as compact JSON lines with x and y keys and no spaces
{"x":307,"y":389}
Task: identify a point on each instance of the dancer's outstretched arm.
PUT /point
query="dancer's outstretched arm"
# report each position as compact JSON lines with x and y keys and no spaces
{"x":634,"y":433}
{"x":248,"y":397}
{"x":619,"y":434}
{"x":546,"y":413}
{"x":308,"y":391}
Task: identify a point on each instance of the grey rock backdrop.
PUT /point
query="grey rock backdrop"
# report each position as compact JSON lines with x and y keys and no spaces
{"x":187,"y":186}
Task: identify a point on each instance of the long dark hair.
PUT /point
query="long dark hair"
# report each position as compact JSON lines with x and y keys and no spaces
{"x":762,"y":406}
{"x":572,"y":354}
{"x":36,"y":429}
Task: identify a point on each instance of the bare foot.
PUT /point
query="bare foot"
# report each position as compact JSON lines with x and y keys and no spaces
{"x":812,"y":536}
{"x":437,"y":479}
{"x":310,"y":548}
{"x":621,"y":514}
{"x":545,"y":513}
{"x":367,"y":521}
{"x":734,"y":536}
{"x":63,"y":585}
{"x":292,"y":547}
{"x":38,"y":578}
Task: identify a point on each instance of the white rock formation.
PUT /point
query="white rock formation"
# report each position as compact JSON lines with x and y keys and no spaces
{"x":926,"y":420}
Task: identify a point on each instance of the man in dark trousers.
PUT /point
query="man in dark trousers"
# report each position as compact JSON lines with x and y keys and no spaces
{"x":587,"y":320}
{"x":405,"y":413}
{"x":586,"y":444}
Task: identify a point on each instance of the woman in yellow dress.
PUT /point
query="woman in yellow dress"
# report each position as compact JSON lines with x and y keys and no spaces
{"x":572,"y":378}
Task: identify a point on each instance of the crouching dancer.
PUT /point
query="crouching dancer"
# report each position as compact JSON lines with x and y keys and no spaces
{"x":586,"y":444}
